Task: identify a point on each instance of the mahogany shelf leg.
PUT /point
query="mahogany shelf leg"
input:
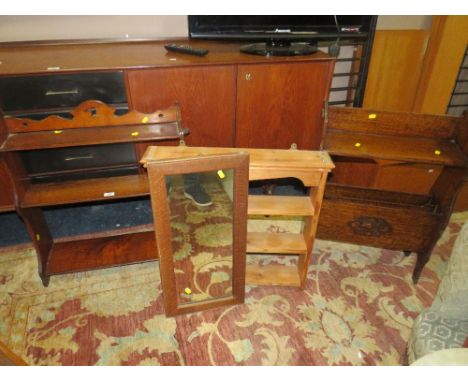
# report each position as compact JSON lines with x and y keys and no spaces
{"x":421,"y":261}
{"x":33,"y":218}
{"x":45,"y":281}
{"x":39,"y":233}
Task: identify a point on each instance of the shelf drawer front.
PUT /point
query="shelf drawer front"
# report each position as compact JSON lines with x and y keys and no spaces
{"x":60,"y":90}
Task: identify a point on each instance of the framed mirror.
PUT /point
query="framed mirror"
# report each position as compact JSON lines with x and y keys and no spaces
{"x":200,"y":217}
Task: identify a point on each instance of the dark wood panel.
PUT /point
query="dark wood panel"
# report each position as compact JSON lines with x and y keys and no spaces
{"x":7,"y":202}
{"x":391,"y":123}
{"x":385,"y":174}
{"x":354,"y":171}
{"x":462,"y":199}
{"x":417,"y":178}
{"x":206,"y":96}
{"x":278,"y":105}
{"x":101,"y":252}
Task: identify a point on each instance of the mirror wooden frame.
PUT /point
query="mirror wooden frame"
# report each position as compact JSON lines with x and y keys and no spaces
{"x":157,"y":173}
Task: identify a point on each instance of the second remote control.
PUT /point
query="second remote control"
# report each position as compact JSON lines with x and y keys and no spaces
{"x":186,"y":49}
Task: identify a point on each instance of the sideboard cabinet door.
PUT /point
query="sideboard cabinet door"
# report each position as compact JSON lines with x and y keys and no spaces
{"x":281,"y":104}
{"x":206,"y":96}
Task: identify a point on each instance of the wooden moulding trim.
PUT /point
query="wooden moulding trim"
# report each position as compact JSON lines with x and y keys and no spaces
{"x":260,"y":159}
{"x":84,"y":41}
{"x":7,"y":208}
{"x":91,"y":113}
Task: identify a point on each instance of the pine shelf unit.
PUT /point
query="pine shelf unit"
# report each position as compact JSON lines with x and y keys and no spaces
{"x":311,"y":167}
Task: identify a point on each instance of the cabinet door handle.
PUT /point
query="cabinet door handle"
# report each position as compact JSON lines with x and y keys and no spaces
{"x":248,"y":76}
{"x":61,"y":92}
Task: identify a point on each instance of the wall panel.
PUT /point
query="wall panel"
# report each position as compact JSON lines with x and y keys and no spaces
{"x":395,"y":68}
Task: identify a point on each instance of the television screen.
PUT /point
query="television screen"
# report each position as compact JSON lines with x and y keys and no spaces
{"x":264,"y":28}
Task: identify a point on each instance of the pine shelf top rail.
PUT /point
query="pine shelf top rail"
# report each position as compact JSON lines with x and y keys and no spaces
{"x":305,"y":165}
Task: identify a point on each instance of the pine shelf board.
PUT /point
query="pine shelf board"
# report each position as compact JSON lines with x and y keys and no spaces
{"x":281,"y":243}
{"x":280,"y":205}
{"x":272,"y":275}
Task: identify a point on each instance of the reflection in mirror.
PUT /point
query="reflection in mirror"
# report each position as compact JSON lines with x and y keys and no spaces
{"x":201,"y":219}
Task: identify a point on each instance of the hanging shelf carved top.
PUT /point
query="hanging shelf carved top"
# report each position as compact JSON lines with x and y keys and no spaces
{"x":91,"y":113}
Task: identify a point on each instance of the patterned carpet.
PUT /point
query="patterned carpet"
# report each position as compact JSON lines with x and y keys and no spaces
{"x":357,"y":309}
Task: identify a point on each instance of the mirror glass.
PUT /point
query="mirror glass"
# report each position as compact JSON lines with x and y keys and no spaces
{"x":201,"y":220}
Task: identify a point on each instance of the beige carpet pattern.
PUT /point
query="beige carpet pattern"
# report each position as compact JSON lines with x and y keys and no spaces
{"x":357,"y":309}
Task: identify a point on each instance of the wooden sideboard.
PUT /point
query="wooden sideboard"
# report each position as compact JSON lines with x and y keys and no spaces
{"x":227,"y":98}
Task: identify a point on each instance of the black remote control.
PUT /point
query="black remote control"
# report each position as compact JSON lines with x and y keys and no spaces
{"x":186,"y":49}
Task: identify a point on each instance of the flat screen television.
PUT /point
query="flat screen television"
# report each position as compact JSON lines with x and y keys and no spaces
{"x":279,"y":35}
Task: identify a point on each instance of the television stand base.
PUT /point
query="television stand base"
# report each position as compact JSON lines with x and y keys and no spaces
{"x":289,"y":49}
